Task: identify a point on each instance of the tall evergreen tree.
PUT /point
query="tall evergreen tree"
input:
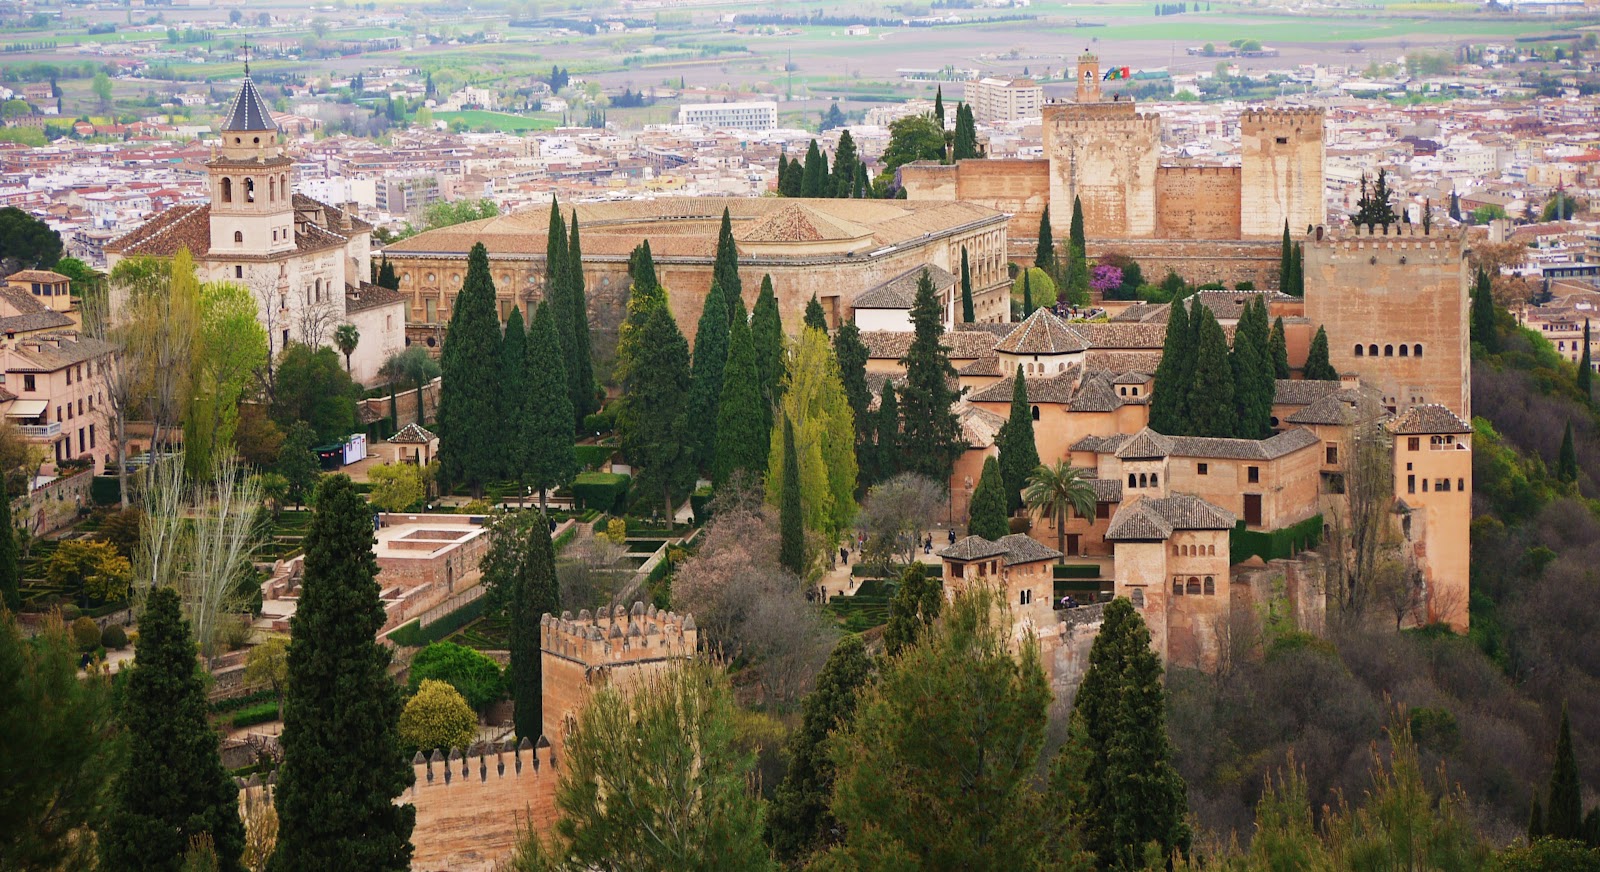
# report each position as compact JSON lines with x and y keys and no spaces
{"x":535,"y":593}
{"x":1563,"y":812}
{"x":1211,"y":392}
{"x":1286,"y":261}
{"x":547,"y":451}
{"x":814,"y":317}
{"x":1297,"y":264}
{"x":343,"y":765}
{"x":645,"y":293}
{"x":930,"y":434}
{"x":741,"y":442}
{"x":1484,"y":331}
{"x":965,"y":144}
{"x":1117,"y":763}
{"x":725,"y":271}
{"x":1373,"y":208}
{"x":1253,"y":373}
{"x":783,"y":170}
{"x":580,"y":360}
{"x":814,"y":181}
{"x":513,"y":394}
{"x":913,"y":609}
{"x":1278,"y":345}
{"x":1019,"y":455}
{"x":710,"y":361}
{"x":1076,"y":235}
{"x":173,"y":787}
{"x":1027,"y":294}
{"x":791,"y":521}
{"x":986,"y":516}
{"x":469,"y":429}
{"x":863,"y":188}
{"x":1567,"y":458}
{"x":888,"y":456}
{"x":967,"y":314}
{"x":1455,"y":207}
{"x":1170,"y":403}
{"x":556,"y":263}
{"x":789,"y":183}
{"x":10,"y":563}
{"x":852,"y":355}
{"x":1585,"y":366}
{"x":659,"y":440}
{"x":938,"y":105}
{"x":1317,"y":367}
{"x":801,"y":822}
{"x":387,"y":277}
{"x":1045,"y":257}
{"x":766,"y":333}
{"x":843,"y":180}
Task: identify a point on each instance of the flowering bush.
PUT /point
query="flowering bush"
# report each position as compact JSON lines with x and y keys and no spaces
{"x":1105,"y":278}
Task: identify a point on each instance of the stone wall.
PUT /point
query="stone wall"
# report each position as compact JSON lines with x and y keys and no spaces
{"x":472,"y":810}
{"x":1281,"y":151}
{"x":1105,"y":155}
{"x":1199,"y":261}
{"x":1064,"y":649}
{"x":1197,"y":203}
{"x":53,"y":505}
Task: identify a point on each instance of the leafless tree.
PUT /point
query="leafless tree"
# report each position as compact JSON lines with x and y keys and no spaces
{"x":896,"y":512}
{"x":591,"y":577}
{"x":314,"y":321}
{"x":1361,"y":526}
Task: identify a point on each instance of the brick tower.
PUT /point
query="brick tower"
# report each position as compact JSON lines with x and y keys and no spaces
{"x":1088,"y":78}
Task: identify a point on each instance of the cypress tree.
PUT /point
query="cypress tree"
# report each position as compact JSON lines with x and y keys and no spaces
{"x":986,"y":516}
{"x":766,"y":333}
{"x":863,"y":188}
{"x":469,"y":429}
{"x":1279,"y":346}
{"x":580,"y":362}
{"x":1298,"y":264}
{"x":710,"y":362}
{"x":1563,"y":812}
{"x":1483,"y":314}
{"x":660,"y":439}
{"x":915,"y":606}
{"x":1286,"y":262}
{"x":1455,"y":207}
{"x":10,"y":564}
{"x":938,"y":105}
{"x":801,"y":822}
{"x":343,"y":764}
{"x":173,"y":786}
{"x":387,"y":277}
{"x":791,"y":520}
{"x":814,"y":317}
{"x":1118,"y":758}
{"x":1045,"y":257}
{"x":814,"y":181}
{"x":555,"y":281}
{"x":642,"y":267}
{"x":965,"y":145}
{"x":536,"y":594}
{"x":1567,"y":458}
{"x":1019,"y":455}
{"x":783,"y":170}
{"x":789,"y":184}
{"x":1585,"y":367}
{"x":1253,"y":373}
{"x":1317,"y":367}
{"x":888,"y":455}
{"x":930,"y":439}
{"x":1076,"y":235}
{"x":852,"y":355}
{"x":1210,"y":407}
{"x":741,"y":436}
{"x":843,"y":181}
{"x":513,"y":394}
{"x":644,"y":294}
{"x":967,"y":315}
{"x":1170,"y":403}
{"x":725,"y":271}
{"x":548,"y":457}
{"x":1027,"y":295}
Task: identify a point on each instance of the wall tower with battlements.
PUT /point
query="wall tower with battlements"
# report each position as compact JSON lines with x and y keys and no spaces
{"x":1281,"y":171}
{"x":1106,"y":155}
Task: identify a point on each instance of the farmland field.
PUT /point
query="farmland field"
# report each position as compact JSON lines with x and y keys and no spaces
{"x":500,"y":121}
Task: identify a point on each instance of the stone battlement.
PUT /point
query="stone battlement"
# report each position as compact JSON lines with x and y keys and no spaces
{"x":1395,"y":236}
{"x":617,"y":636}
{"x":483,"y":761}
{"x":1276,"y":116}
{"x":1184,"y":170}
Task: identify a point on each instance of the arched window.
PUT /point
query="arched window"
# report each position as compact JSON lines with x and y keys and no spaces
{"x":1155,"y":479}
{"x":1405,"y":350}
{"x":238,"y":237}
{"x":1177,"y":587}
{"x":249,"y":190}
{"x":1141,"y":480}
{"x":1372,"y":350}
{"x":1130,"y":480}
{"x":1211,"y":550}
{"x":1035,"y":413}
{"x":1194,"y":586}
{"x":1360,"y":350}
{"x":1388,"y":351}
{"x":227,"y":190}
{"x":319,"y":290}
{"x":1211,"y":586}
{"x":1122,"y":391}
{"x":272,"y":189}
{"x":1416,"y":350}
{"x":1136,"y":596}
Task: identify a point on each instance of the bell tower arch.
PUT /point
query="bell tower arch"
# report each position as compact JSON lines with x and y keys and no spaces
{"x":1088,"y":78}
{"x":252,"y":209}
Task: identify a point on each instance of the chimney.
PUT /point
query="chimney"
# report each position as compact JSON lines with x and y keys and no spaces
{"x":1349,"y":381}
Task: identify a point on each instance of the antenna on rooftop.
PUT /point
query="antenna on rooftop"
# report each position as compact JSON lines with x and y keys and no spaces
{"x":247,"y":60}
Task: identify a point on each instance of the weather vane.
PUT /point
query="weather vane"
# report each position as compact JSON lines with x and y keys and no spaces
{"x":247,"y":59}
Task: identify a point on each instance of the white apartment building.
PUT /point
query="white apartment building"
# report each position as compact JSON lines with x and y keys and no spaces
{"x":757,"y":116}
{"x":995,"y":101}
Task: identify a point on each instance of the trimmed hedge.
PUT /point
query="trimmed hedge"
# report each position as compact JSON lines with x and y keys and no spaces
{"x":234,"y":703}
{"x":412,"y":635}
{"x":1076,"y":570}
{"x":1280,"y":544}
{"x":103,"y":490}
{"x":256,"y":714}
{"x":606,"y":491}
{"x":591,"y":456}
{"x":697,"y":504}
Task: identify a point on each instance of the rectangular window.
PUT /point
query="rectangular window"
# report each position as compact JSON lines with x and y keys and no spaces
{"x":81,"y":443}
{"x":69,"y":375}
{"x":1202,"y":468}
{"x":1414,"y":443}
{"x":1424,"y":485}
{"x":1411,"y":484}
{"x":1253,"y":474}
{"x":238,"y":271}
{"x":91,"y":435}
{"x":429,"y":310}
{"x":1333,"y":453}
{"x":27,"y":382}
{"x":1102,"y":511}
{"x":957,"y":570}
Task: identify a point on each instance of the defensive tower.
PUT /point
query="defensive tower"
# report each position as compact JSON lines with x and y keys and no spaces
{"x":1281,"y":154}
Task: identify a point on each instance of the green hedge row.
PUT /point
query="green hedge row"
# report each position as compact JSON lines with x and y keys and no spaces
{"x":234,"y":703}
{"x":412,"y":635}
{"x":1076,"y":570}
{"x":591,"y":456}
{"x":103,"y":491}
{"x":606,"y":491}
{"x":256,"y":714}
{"x":1280,"y":544}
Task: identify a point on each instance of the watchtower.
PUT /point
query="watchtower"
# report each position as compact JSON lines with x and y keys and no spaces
{"x":252,"y":206}
{"x":1281,"y":179}
{"x":1088,"y":78}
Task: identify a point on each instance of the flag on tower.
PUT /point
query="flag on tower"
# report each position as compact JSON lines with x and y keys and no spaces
{"x":1117,"y":73}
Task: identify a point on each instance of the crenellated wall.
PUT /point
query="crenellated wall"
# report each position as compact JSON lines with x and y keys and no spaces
{"x":1281,"y":154}
{"x":1197,"y":202}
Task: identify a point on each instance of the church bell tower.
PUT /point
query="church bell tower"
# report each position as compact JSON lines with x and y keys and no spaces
{"x":252,"y":210}
{"x":1088,"y":78}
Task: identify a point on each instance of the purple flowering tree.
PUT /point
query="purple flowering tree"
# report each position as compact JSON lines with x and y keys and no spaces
{"x":1105,"y":278}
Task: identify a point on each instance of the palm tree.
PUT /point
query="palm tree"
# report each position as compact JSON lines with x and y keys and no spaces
{"x":413,"y":365}
{"x":346,"y":337}
{"x":1055,"y":492}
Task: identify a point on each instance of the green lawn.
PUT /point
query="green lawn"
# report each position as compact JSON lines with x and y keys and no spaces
{"x":500,"y":121}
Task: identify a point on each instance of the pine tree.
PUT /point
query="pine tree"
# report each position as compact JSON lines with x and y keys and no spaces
{"x":930,"y":435}
{"x":741,"y":442}
{"x":1585,"y":366}
{"x":852,"y":355}
{"x":766,"y":332}
{"x":1317,"y":367}
{"x":1170,"y":402}
{"x":965,"y":145}
{"x":710,"y":362}
{"x":986,"y":516}
{"x":580,"y":361}
{"x":843,"y":179}
{"x":1019,"y":456}
{"x":513,"y":394}
{"x":1253,"y":373}
{"x":1027,"y":295}
{"x":1279,"y":347}
{"x":1117,"y":762}
{"x":814,"y":317}
{"x":336,"y":792}
{"x":548,"y":457}
{"x":725,"y":271}
{"x":967,"y":314}
{"x":938,"y":105}
{"x":791,"y":521}
{"x":915,"y":606}
{"x":10,"y":564}
{"x":1567,"y":458}
{"x":469,"y":429}
{"x":1563,"y":811}
{"x":1211,"y":392}
{"x":1484,"y":331}
{"x":801,"y":823}
{"x":659,"y":439}
{"x":1045,"y":257}
{"x":1373,"y":207}
{"x":173,"y":787}
{"x":536,"y":593}
{"x":888,"y":455}
{"x":814,"y":181}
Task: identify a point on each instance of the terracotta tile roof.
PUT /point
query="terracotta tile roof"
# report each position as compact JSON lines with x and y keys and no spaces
{"x":48,"y":352}
{"x":1141,"y":362}
{"x":1146,"y":443}
{"x":1043,"y":333}
{"x":979,"y":427}
{"x":369,"y":296}
{"x":1107,"y":490}
{"x":1158,"y":519}
{"x":1229,"y":305}
{"x":413,"y":434}
{"x":798,"y":222}
{"x":1095,"y":393}
{"x":1022,"y":548}
{"x":1133,"y":378}
{"x":1149,"y":443}
{"x":987,"y":365}
{"x":1115,"y":334}
{"x":900,"y":292}
{"x":1101,"y":444}
{"x":1056,"y":388}
{"x":892,"y":344}
{"x":1140,"y":312}
{"x":1301,"y":392}
{"x":1428,"y":419}
{"x":178,"y":227}
{"x":42,"y":276}
{"x":973,"y":548}
{"x":1341,"y":407}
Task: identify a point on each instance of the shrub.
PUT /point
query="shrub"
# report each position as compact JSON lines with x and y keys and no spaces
{"x":617,"y":530}
{"x":259,"y":713}
{"x":474,"y":676}
{"x":437,"y":717}
{"x":414,"y":635}
{"x":606,"y":491}
{"x":592,"y":456}
{"x":70,"y":613}
{"x":86,"y":634}
{"x":114,"y":637}
{"x":602,"y":421}
{"x":476,"y":507}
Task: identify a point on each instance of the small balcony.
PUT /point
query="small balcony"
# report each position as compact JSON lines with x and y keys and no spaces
{"x":42,"y":432}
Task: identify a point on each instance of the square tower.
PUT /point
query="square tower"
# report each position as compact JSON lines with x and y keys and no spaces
{"x":252,"y":206}
{"x":1281,"y":173}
